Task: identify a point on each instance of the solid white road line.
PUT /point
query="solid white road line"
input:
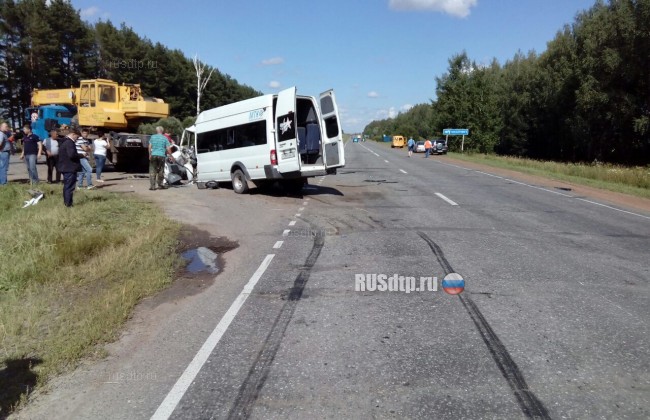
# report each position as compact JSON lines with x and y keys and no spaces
{"x":174,"y":396}
{"x":551,"y":191}
{"x":278,"y":244}
{"x":446,"y":199}
{"x":613,"y":208}
{"x":492,"y":175}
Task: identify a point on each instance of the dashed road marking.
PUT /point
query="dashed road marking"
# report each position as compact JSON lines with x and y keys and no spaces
{"x":278,"y":244}
{"x":446,"y":199}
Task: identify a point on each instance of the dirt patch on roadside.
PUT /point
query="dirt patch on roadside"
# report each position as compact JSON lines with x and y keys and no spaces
{"x":604,"y":196}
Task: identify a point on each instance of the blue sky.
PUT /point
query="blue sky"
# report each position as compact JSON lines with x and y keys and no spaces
{"x":380,"y":56}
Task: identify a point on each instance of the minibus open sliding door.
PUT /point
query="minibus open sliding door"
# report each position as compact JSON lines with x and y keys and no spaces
{"x":333,"y":151}
{"x":285,"y":132}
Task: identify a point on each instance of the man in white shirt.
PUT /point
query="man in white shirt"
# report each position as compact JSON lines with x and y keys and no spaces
{"x":100,"y":146}
{"x":52,"y":155}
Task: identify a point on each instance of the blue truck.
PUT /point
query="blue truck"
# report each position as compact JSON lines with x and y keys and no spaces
{"x":48,"y":117}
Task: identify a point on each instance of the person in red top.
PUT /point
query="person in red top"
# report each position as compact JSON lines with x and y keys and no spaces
{"x":169,"y":136}
{"x":427,"y":147}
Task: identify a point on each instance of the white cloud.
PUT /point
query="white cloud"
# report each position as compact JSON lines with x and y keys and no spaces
{"x":373,"y":94}
{"x":89,"y":12}
{"x":274,"y":61}
{"x":382,"y":114}
{"x":406,"y":107}
{"x":459,"y":8}
{"x":274,"y":84}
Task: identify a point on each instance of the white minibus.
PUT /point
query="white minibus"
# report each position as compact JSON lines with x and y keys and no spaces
{"x":284,"y":137}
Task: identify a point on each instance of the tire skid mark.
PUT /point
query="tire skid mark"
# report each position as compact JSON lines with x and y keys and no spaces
{"x":259,"y":372}
{"x":528,"y":402}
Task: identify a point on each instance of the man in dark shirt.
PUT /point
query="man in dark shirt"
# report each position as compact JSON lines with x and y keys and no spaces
{"x":69,"y":164}
{"x":32,"y":150}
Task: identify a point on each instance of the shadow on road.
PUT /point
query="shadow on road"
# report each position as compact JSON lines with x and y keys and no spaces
{"x":16,"y":379}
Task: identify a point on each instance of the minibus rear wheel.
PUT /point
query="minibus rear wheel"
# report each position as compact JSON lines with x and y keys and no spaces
{"x":239,"y":184}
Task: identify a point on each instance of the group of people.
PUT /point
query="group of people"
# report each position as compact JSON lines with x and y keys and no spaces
{"x":428,"y":147}
{"x":67,"y":152}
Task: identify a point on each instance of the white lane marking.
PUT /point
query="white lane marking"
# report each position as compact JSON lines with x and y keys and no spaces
{"x":516,"y":182}
{"x":551,"y":191}
{"x":297,"y":214}
{"x":386,"y":161}
{"x":304,"y":203}
{"x":370,"y":151}
{"x":291,"y":223}
{"x":523,"y":183}
{"x":403,"y":171}
{"x":278,"y":244}
{"x":286,"y":232}
{"x":307,"y":198}
{"x":492,"y":175}
{"x":446,"y":199}
{"x":166,"y":408}
{"x":301,"y":209}
{"x":613,"y":208}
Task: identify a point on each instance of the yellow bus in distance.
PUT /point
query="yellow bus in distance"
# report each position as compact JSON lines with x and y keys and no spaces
{"x":398,"y":141}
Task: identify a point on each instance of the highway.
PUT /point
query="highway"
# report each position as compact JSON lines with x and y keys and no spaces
{"x":553,"y":321}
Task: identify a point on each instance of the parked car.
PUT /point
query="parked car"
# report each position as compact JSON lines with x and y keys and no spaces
{"x":440,"y":147}
{"x":419,"y":147}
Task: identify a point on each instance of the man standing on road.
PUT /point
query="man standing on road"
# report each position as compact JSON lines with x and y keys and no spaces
{"x":32,"y":150}
{"x":83,"y":150}
{"x":69,"y":165}
{"x":5,"y":153}
{"x":427,"y":148}
{"x":159,"y":149}
{"x":51,"y":155}
{"x":411,"y":146}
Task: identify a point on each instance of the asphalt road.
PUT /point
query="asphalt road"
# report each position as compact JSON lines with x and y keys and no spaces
{"x":553,"y":321}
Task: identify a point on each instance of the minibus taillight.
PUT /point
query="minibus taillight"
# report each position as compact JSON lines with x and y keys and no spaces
{"x":274,"y":158}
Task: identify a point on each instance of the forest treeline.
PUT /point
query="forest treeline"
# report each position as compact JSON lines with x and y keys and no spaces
{"x":46,"y":45}
{"x":586,"y":98}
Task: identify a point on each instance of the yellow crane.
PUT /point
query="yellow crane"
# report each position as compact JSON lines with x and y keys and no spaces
{"x":101,"y":105}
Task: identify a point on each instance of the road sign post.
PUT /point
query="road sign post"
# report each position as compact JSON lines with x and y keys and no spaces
{"x":457,"y":132}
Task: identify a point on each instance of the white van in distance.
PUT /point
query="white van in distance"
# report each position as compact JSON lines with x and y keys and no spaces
{"x":284,"y":137}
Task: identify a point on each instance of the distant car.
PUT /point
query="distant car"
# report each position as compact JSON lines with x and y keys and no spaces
{"x":440,"y":147}
{"x":355,"y":140}
{"x":419,"y":147}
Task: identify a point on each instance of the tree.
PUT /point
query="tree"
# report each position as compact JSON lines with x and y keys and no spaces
{"x":201,"y":81}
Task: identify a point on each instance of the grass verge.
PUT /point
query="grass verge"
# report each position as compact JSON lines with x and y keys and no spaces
{"x":628,"y":180}
{"x":69,"y":278}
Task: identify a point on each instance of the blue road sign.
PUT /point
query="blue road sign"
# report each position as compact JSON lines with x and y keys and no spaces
{"x":455,"y":132}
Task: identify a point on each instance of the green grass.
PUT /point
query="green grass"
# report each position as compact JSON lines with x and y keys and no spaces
{"x":69,"y":278}
{"x":628,"y":180}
